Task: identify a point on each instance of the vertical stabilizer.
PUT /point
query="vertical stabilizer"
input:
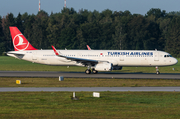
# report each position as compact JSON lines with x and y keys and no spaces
{"x":20,"y":43}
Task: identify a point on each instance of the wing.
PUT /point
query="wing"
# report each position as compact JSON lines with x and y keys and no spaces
{"x":78,"y":60}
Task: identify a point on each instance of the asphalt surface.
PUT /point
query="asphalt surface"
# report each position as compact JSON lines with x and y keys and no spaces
{"x":99,"y":89}
{"x":83,"y":75}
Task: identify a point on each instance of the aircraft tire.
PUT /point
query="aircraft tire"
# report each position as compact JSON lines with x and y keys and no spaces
{"x":157,"y":72}
{"x":88,"y":71}
{"x":94,"y":71}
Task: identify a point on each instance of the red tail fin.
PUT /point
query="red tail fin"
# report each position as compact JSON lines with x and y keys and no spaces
{"x":19,"y":41}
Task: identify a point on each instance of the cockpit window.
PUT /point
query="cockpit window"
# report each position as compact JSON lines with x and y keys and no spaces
{"x":167,"y":56}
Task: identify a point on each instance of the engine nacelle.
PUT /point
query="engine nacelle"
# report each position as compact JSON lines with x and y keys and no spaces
{"x":103,"y":66}
{"x":117,"y":67}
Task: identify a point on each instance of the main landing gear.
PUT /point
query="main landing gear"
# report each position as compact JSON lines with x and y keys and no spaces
{"x":157,"y":70}
{"x":88,"y":71}
{"x":94,"y":71}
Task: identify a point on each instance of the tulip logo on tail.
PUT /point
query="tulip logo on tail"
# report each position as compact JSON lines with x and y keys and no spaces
{"x":20,"y":43}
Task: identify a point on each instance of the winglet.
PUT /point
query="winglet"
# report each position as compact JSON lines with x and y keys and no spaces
{"x":55,"y":51}
{"x":88,"y":47}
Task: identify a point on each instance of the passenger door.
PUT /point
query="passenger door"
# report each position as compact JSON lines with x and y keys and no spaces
{"x":156,"y":56}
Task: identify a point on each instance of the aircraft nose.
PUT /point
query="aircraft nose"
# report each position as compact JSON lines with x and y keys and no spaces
{"x":175,"y":61}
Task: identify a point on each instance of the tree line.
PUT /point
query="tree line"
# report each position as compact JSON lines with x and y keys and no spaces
{"x":100,"y":30}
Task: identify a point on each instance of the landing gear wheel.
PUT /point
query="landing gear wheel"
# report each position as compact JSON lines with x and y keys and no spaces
{"x":157,"y":72}
{"x":88,"y":71}
{"x":94,"y":71}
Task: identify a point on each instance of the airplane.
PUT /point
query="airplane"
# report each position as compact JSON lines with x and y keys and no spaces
{"x":94,"y":60}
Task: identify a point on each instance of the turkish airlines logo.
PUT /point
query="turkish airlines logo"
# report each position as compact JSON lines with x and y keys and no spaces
{"x":20,"y":43}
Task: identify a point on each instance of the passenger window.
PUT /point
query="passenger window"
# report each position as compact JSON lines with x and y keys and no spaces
{"x":164,"y":55}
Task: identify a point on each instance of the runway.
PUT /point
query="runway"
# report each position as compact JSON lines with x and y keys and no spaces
{"x":83,"y":75}
{"x":91,"y":89}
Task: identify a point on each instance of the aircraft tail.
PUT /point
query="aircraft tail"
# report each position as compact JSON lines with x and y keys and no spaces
{"x":20,"y":43}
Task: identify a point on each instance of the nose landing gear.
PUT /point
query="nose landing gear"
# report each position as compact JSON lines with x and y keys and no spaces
{"x":157,"y":70}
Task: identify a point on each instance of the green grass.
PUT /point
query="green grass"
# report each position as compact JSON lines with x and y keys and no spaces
{"x":126,"y":105}
{"x":85,"y":82}
{"x":12,"y":64}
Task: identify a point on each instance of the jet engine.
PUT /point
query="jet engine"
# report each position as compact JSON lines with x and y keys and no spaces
{"x":103,"y":66}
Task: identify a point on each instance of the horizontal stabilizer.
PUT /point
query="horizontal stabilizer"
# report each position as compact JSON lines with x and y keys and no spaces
{"x":16,"y":53}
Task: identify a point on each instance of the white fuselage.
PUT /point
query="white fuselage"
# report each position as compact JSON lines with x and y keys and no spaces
{"x":116,"y":57}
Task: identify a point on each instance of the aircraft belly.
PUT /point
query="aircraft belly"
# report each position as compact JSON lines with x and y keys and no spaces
{"x":28,"y":57}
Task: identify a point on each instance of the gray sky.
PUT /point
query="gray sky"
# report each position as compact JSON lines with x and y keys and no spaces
{"x":55,"y":6}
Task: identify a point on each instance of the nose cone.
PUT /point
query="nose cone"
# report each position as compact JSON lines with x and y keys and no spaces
{"x":174,"y":61}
